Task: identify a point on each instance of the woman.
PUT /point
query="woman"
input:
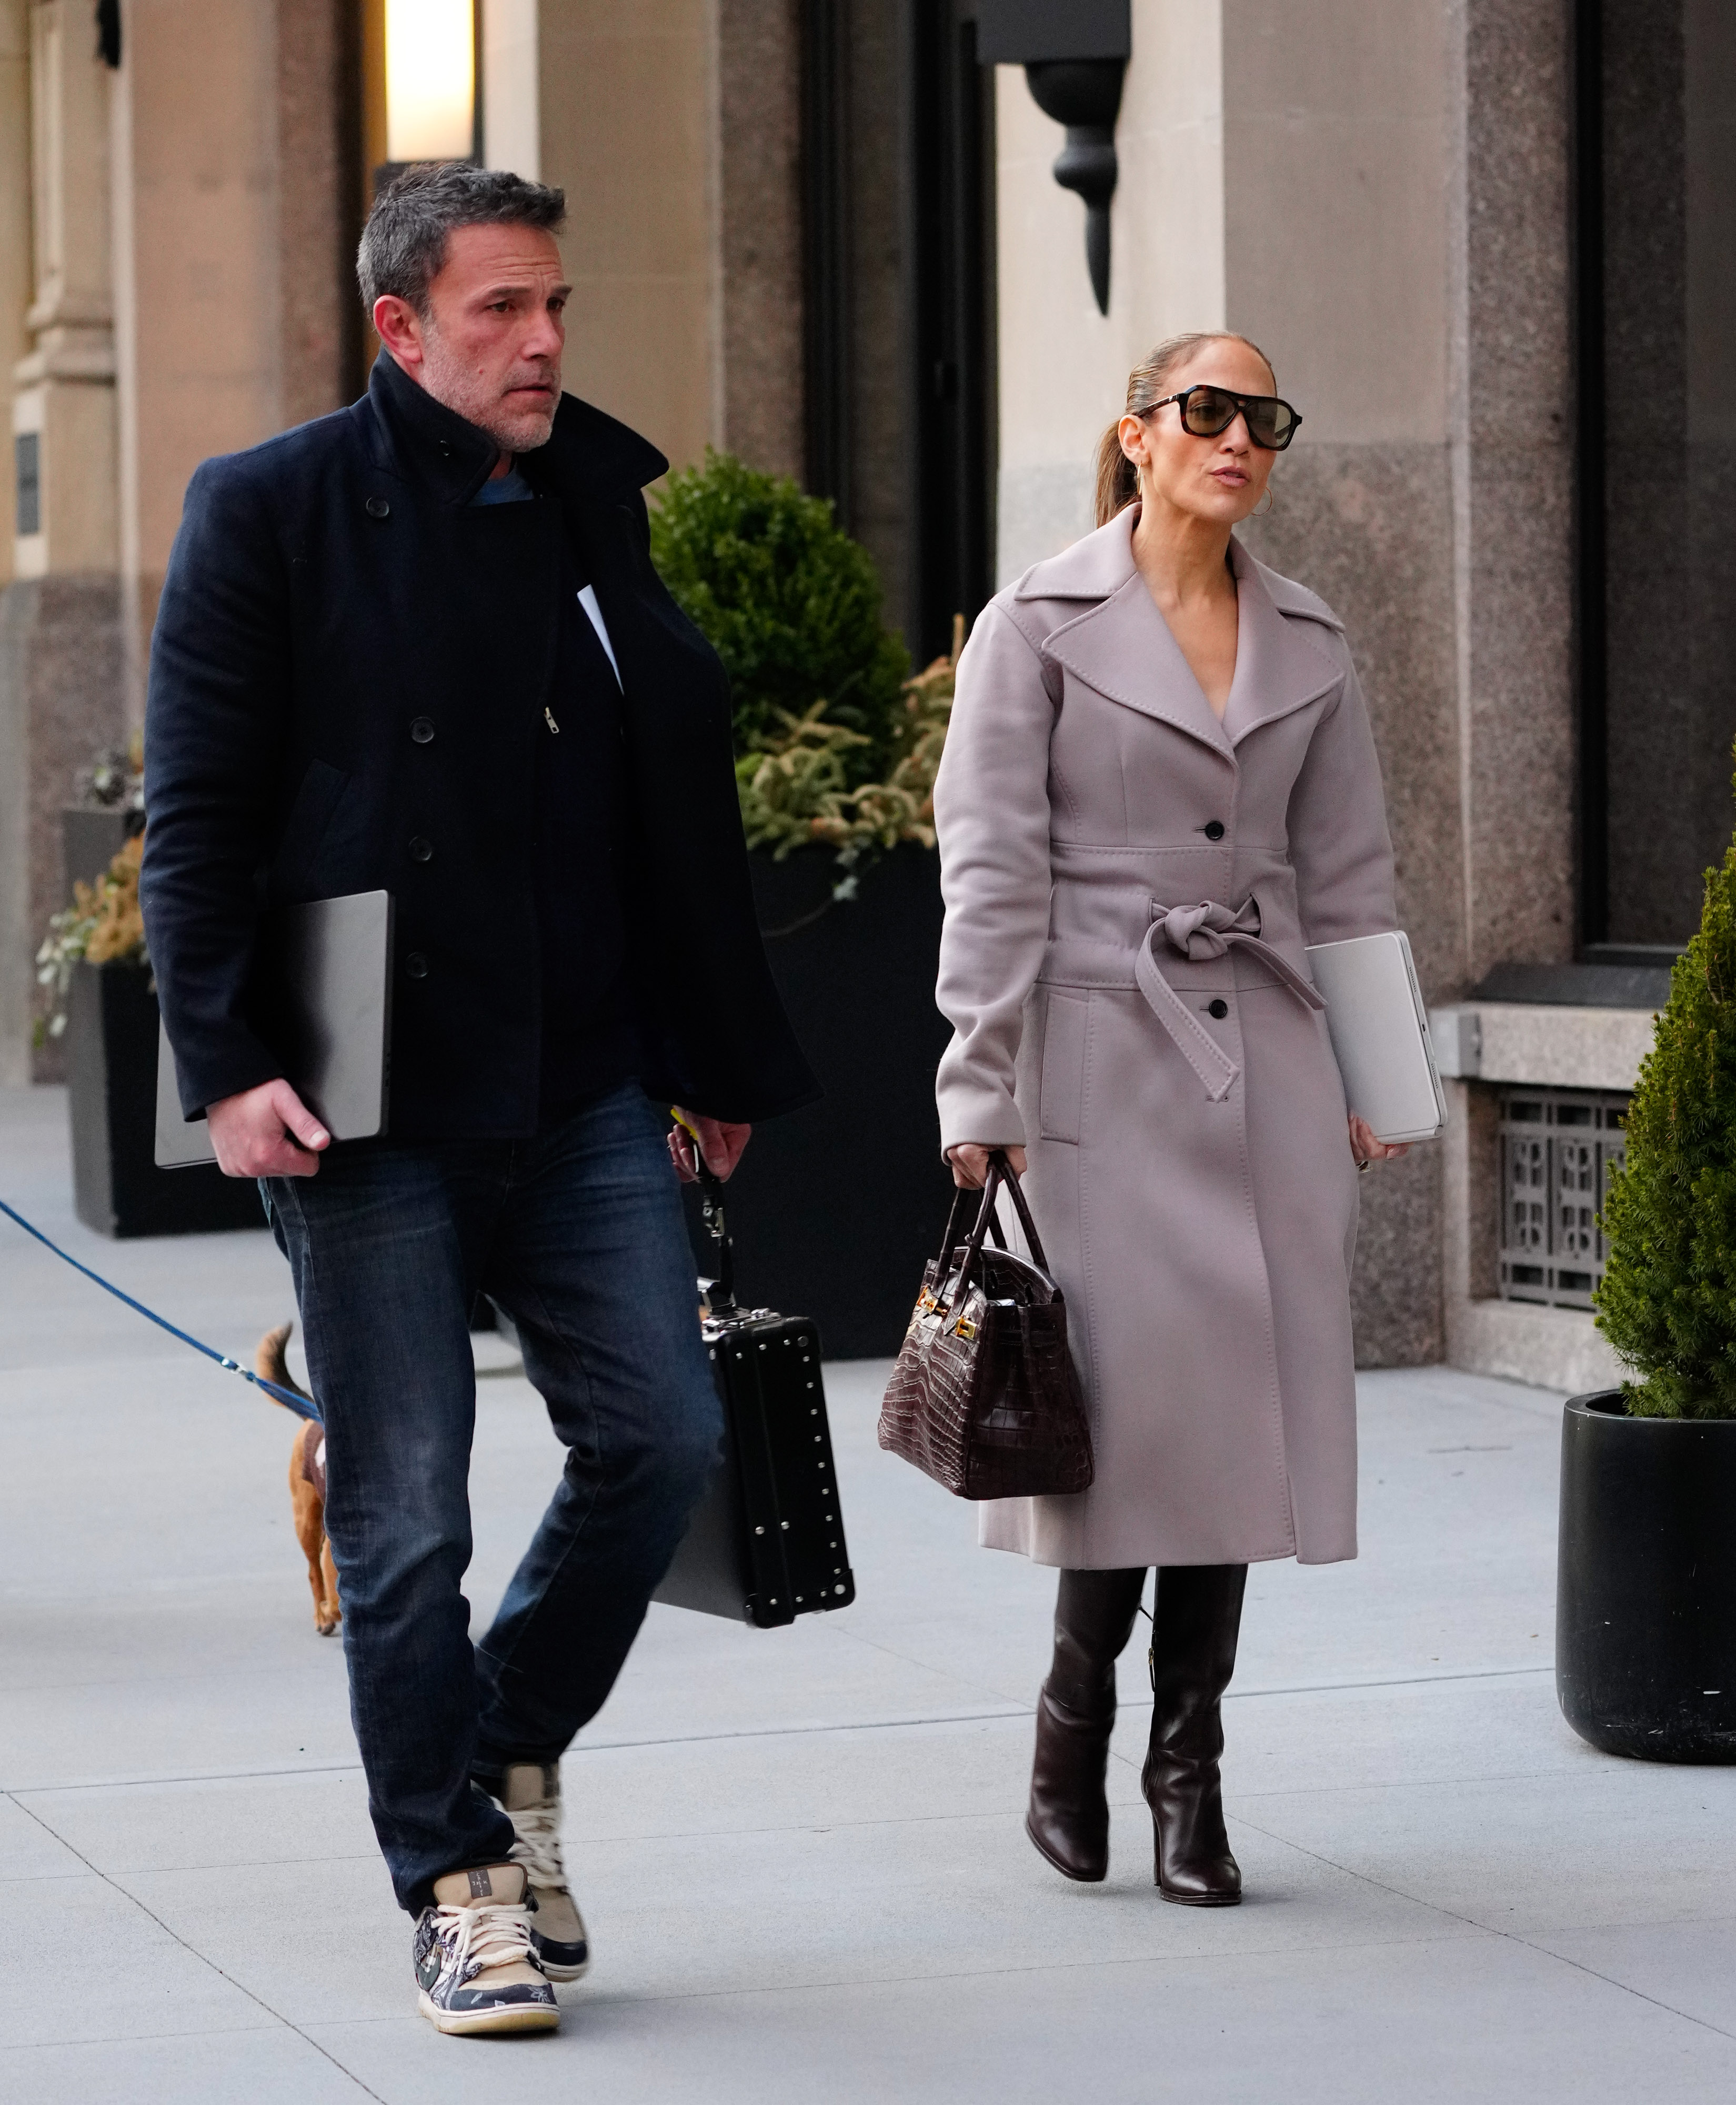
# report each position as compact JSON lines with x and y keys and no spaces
{"x":1158,"y":786}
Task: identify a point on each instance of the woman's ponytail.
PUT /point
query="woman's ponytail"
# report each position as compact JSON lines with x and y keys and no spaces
{"x":1117,"y":479}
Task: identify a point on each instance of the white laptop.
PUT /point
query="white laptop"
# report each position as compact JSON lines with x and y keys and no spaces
{"x":1379,"y":1032}
{"x":325,"y":983}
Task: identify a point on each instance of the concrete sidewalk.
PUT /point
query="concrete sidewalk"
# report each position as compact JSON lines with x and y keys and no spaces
{"x":800,"y":1852}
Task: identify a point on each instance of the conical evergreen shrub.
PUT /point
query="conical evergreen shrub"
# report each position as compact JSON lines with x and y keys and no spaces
{"x":1667,"y":1303}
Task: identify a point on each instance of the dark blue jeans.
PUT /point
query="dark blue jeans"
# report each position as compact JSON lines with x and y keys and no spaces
{"x":578,"y":1234}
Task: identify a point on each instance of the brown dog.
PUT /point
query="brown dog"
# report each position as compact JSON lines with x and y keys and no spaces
{"x":307,"y":1483}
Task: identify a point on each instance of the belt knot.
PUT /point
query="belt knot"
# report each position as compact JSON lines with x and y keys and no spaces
{"x":1206,"y":931}
{"x":1198,"y":933}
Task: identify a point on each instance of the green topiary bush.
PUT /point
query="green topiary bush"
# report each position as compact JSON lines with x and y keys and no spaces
{"x":788,"y":601}
{"x":1667,"y":1303}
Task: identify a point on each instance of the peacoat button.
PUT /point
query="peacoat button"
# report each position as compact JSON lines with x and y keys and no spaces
{"x":416,"y":966}
{"x":422,"y":731}
{"x":423,"y":850}
{"x":376,"y":507}
{"x":1220,"y":1009}
{"x":1214,"y":829}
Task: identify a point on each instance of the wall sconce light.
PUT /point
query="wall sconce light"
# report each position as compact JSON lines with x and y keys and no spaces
{"x":431,"y":81}
{"x":1074,"y":53}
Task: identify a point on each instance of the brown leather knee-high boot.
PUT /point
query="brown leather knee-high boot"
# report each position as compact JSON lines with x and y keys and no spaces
{"x":1196,"y":1622}
{"x":1069,"y":1815}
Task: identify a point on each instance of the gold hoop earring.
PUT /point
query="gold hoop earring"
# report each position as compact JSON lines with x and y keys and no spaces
{"x":1271,"y":504}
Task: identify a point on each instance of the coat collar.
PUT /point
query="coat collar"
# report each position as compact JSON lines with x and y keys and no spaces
{"x":1122,"y":645}
{"x":589,"y":457}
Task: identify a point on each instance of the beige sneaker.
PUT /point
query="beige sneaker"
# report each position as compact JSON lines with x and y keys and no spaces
{"x":475,"y":1963}
{"x":530,"y":1797}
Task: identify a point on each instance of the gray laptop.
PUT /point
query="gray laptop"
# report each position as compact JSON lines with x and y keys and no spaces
{"x":324,"y":987}
{"x":1380,"y":1033}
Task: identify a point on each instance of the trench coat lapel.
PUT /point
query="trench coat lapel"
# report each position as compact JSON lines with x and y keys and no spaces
{"x":1278,"y":668}
{"x":1122,"y":645}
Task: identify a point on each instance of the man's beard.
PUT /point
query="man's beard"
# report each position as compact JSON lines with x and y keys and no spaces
{"x":450,"y":382}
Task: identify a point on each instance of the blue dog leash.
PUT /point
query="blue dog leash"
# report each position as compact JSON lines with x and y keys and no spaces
{"x":301,"y":1406}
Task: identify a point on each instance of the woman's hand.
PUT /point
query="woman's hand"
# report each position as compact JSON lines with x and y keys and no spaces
{"x":969,"y":1161}
{"x":1366,"y":1149}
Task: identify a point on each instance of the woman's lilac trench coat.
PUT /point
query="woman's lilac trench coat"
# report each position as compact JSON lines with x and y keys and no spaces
{"x":1129,"y":888}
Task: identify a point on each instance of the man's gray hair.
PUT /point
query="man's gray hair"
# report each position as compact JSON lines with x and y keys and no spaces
{"x":403,"y":244}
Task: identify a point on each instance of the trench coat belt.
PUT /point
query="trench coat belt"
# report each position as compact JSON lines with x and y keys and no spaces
{"x":1207,"y":930}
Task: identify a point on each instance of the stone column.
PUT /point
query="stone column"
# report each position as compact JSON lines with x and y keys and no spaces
{"x":60,"y":687}
{"x":1064,"y":367}
{"x":626,"y":126}
{"x":758,"y":262}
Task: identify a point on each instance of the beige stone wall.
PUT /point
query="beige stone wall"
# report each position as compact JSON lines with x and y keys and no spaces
{"x":674,"y":127}
{"x":203,"y":364}
{"x":319,"y":208}
{"x":626,"y":129}
{"x":1063,"y":366}
{"x":757,"y":376}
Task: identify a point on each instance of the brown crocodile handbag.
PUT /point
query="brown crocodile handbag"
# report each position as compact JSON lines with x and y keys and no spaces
{"x":985,"y":1398}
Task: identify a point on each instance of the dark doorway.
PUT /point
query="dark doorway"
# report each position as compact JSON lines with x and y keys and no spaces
{"x":951,"y":269}
{"x":899,"y":198}
{"x":1658,"y":456}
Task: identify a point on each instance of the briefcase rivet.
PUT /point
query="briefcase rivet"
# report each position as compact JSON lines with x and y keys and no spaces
{"x":759,"y":1530}
{"x":376,"y":507}
{"x":785,"y":1526}
{"x":837,"y":1589}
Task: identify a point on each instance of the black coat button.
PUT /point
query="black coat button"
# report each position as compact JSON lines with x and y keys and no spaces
{"x":422,"y":731}
{"x":376,"y":507}
{"x":423,"y":850}
{"x":416,"y":965}
{"x":1215,"y":829}
{"x":1220,"y":1009}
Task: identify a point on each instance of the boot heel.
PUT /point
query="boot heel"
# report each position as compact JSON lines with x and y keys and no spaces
{"x":1193,"y":1865}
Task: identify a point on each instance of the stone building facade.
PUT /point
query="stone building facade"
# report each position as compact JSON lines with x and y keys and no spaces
{"x":1482,"y":240}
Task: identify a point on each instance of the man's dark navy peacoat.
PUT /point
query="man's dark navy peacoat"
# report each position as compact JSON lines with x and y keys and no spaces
{"x":351,"y":657}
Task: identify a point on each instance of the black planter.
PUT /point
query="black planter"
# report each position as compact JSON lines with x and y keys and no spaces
{"x":834,"y":1208}
{"x":111,"y":1072}
{"x":1646,"y":1607}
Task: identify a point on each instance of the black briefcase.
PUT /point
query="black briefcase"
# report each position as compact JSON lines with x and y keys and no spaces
{"x":765,"y":1543}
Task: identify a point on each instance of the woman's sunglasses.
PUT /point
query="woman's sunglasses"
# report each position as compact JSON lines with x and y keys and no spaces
{"x":1206,"y":411}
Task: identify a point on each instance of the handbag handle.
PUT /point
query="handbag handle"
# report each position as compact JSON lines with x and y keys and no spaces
{"x":1010,"y":1178}
{"x":952,"y":1239}
{"x":1001,"y":1172}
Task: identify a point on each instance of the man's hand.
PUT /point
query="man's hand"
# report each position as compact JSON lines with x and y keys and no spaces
{"x":720,"y":1144}
{"x":970,"y":1162}
{"x":266,"y":1132}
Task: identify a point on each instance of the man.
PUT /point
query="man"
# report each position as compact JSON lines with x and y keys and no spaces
{"x":418,"y":646}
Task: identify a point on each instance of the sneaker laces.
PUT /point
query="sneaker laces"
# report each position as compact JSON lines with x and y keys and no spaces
{"x":496,"y":1935}
{"x":537,"y":1847}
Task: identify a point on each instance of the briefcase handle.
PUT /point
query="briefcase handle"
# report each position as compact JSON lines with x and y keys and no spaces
{"x":722,"y":1294}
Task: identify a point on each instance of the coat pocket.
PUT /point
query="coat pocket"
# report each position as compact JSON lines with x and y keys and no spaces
{"x":1061,"y":1103}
